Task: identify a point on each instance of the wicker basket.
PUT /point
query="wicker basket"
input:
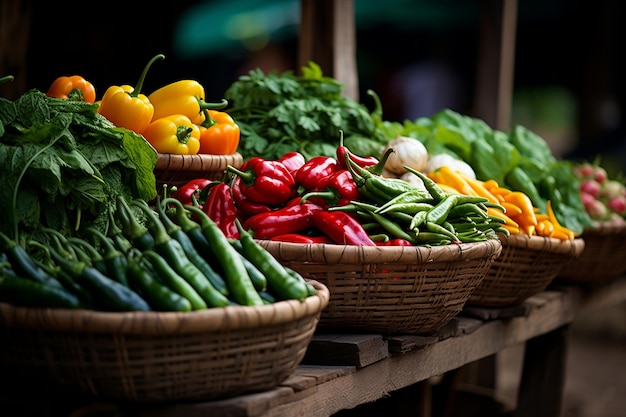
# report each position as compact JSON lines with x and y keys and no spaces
{"x":154,"y":357}
{"x":526,"y":266}
{"x":172,"y":169}
{"x":602,"y":260}
{"x":411,"y":290}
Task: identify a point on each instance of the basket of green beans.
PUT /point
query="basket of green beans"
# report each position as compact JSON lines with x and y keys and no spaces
{"x":390,"y":289}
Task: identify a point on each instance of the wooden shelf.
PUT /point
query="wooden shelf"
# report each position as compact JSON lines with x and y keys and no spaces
{"x":343,"y":371}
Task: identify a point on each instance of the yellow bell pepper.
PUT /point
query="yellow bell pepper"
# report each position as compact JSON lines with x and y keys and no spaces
{"x":126,"y":107}
{"x":219,"y":134}
{"x":173,"y":134}
{"x":182,"y":97}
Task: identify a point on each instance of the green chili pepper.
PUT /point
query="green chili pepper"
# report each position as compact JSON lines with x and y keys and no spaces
{"x":23,"y":264}
{"x":258,"y":279}
{"x":279,"y":281}
{"x":46,"y":263}
{"x":91,"y":253}
{"x":436,"y":228}
{"x":439,"y":213}
{"x":418,"y":219}
{"x":173,"y":279}
{"x":159,"y":296}
{"x":26,"y":292}
{"x":388,"y":225}
{"x":174,"y":253}
{"x":117,"y":236}
{"x":431,"y":186}
{"x":235,"y":273}
{"x":177,"y":233}
{"x":106,"y":293}
{"x":432,"y":238}
{"x":193,"y":230}
{"x":136,"y":232}
{"x":115,"y":261}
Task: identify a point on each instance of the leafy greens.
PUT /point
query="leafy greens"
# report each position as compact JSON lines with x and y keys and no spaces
{"x":62,"y":165}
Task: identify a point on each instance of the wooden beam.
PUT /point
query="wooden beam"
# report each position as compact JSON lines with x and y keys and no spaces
{"x":496,"y":59}
{"x":328,"y":38}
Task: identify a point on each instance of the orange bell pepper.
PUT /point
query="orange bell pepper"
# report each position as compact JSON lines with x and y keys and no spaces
{"x":126,"y":107}
{"x":73,"y":87}
{"x":173,"y":134}
{"x":219,"y":134}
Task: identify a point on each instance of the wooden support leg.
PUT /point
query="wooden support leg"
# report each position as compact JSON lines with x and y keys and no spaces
{"x":543,"y":375}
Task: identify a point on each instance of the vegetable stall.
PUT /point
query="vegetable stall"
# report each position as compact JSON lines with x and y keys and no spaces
{"x":286,"y":250}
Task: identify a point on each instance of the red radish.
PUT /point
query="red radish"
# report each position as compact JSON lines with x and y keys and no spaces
{"x":596,"y":210}
{"x":599,"y":174}
{"x":590,"y":187}
{"x":618,"y":204}
{"x":585,"y":170}
{"x":587,"y":198}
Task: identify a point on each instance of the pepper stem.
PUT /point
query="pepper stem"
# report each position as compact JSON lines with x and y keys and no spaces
{"x":6,"y":79}
{"x":142,"y":77}
{"x":212,"y":106}
{"x":378,"y":168}
{"x":246,"y":176}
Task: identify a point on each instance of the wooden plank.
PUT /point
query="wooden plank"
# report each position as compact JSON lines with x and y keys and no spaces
{"x":543,"y":375}
{"x":346,"y":349}
{"x":328,"y":37}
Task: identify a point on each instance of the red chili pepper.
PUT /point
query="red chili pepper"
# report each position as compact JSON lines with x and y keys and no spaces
{"x":362,"y":161}
{"x":293,"y":161}
{"x":220,"y":207}
{"x":341,"y":228}
{"x":312,"y":174}
{"x":265,"y":181}
{"x":300,"y":238}
{"x":293,"y":218}
{"x":185,"y":192}
{"x":243,"y":204}
{"x":340,"y":190}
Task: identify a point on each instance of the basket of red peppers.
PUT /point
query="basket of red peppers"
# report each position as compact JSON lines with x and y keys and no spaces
{"x":396,"y":257}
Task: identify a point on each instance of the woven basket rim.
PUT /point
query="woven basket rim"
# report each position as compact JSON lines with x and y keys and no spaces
{"x":570,"y":247}
{"x":606,"y":226}
{"x":164,"y":160}
{"x":217,"y":319}
{"x":330,"y":253}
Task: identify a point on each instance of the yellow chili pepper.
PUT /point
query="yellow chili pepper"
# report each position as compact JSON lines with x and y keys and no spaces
{"x":125,"y":106}
{"x":173,"y":134}
{"x":454,"y":179}
{"x":182,"y":97}
{"x":527,"y":219}
{"x":560,"y":232}
{"x":219,"y":134}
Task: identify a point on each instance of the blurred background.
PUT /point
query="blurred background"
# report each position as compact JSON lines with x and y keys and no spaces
{"x":418,"y":55}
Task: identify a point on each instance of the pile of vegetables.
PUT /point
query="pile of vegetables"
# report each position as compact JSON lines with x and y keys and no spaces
{"x":604,"y":198}
{"x":143,"y":261}
{"x":340,"y":200}
{"x":518,"y":160}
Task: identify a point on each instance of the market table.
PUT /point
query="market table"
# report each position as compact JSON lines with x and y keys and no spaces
{"x":342,"y":371}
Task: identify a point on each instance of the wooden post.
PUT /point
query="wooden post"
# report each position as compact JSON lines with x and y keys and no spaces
{"x":328,"y":38}
{"x":496,"y":59}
